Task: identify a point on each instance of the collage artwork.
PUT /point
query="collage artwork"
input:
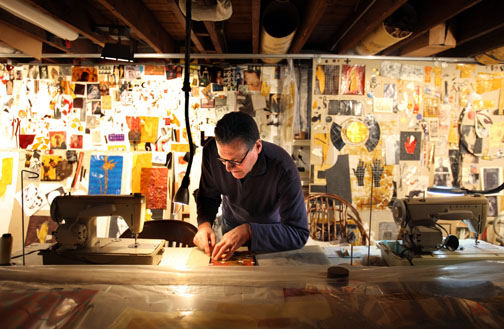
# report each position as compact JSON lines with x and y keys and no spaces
{"x":118,"y":129}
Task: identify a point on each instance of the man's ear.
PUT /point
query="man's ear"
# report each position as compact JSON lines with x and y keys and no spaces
{"x":259,"y":146}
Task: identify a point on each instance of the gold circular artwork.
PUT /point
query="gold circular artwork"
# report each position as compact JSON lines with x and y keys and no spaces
{"x":355,"y":131}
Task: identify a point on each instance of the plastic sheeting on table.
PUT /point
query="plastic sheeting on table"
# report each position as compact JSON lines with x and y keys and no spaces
{"x":466,"y":295}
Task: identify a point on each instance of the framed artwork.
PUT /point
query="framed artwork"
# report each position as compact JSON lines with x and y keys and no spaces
{"x":491,"y":177}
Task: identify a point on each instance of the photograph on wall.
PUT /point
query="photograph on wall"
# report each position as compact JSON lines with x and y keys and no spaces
{"x":80,"y":89}
{"x":78,"y":103}
{"x":76,"y":141}
{"x":207,"y":103}
{"x":353,"y":79}
{"x":84,"y":74}
{"x":493,"y":209}
{"x":345,"y":107}
{"x":204,"y":76}
{"x":492,"y":178}
{"x":154,"y":185}
{"x":252,"y":77}
{"x":411,"y":144}
{"x":442,"y":174}
{"x":93,"y":91}
{"x":327,"y":80}
{"x":390,"y":90}
{"x":104,"y":88}
{"x":94,"y":107}
{"x":54,"y":72}
{"x":105,"y":174}
{"x":173,"y":71}
{"x":43,"y":72}
{"x":154,"y":70}
{"x":57,"y":139}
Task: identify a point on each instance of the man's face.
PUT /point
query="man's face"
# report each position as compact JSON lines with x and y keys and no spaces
{"x":236,"y":151}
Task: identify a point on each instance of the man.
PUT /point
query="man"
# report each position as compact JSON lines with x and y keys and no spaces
{"x":262,"y":199}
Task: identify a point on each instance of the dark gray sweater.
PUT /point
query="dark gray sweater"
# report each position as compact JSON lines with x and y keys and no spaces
{"x":269,"y":198}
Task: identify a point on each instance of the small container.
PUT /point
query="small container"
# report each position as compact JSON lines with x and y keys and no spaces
{"x":5,"y":249}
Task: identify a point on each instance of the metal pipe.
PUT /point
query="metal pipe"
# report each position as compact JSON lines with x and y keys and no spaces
{"x":259,"y":56}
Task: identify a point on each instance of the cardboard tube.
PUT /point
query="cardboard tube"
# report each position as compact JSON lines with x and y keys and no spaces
{"x":280,"y":22}
{"x":376,"y":41}
{"x":5,"y":248}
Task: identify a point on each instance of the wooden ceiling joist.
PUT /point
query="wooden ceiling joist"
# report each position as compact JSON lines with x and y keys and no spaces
{"x":175,"y":9}
{"x":431,"y":13}
{"x":212,"y":31}
{"x":314,"y":11}
{"x":370,"y":20}
{"x":72,"y":14}
{"x":34,"y":31}
{"x":20,"y":40}
{"x":489,"y":14}
{"x":255,"y":17}
{"x":490,"y":41}
{"x":142,"y":21}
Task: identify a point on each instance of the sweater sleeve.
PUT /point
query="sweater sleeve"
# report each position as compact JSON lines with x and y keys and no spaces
{"x":208,"y":197}
{"x":292,"y":232}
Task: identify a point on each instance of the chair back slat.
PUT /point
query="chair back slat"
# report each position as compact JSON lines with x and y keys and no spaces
{"x":330,"y":216}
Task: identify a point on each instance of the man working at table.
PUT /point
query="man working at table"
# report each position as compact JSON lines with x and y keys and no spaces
{"x":260,"y":189}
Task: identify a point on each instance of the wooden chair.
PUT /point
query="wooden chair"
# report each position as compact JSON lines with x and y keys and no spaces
{"x":332,"y":218}
{"x":176,"y":232}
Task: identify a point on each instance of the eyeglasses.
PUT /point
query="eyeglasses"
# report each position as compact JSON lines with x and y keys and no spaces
{"x":233,"y":162}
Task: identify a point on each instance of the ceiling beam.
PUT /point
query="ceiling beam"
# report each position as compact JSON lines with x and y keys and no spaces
{"x":314,"y":11}
{"x":75,"y":17}
{"x":431,"y":13}
{"x":20,"y":40}
{"x":212,"y":31}
{"x":468,"y":28}
{"x":477,"y":46}
{"x":175,"y":9}
{"x":367,"y":18}
{"x":255,"y":24}
{"x":142,"y":21}
{"x":35,"y":31}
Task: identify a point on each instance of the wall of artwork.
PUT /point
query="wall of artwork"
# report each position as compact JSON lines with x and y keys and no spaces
{"x":120,"y":129}
{"x":115,"y":129}
{"x":412,"y":125}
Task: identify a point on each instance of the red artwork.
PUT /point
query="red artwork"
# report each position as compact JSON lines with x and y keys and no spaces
{"x":154,"y":185}
{"x":239,"y":258}
{"x":57,"y":139}
{"x":135,"y":131}
{"x":352,"y":79}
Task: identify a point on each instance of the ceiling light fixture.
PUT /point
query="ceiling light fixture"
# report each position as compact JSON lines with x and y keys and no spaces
{"x":37,"y":17}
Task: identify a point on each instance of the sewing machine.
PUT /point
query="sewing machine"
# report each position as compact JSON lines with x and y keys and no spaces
{"x":76,"y":236}
{"x":418,"y":219}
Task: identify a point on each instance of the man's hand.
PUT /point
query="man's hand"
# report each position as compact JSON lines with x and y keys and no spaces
{"x":205,"y":238}
{"x":231,"y":241}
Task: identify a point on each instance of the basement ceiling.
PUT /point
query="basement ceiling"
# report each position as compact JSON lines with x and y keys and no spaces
{"x":463,"y":28}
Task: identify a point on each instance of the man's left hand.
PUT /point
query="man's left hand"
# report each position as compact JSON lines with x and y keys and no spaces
{"x":231,"y":241}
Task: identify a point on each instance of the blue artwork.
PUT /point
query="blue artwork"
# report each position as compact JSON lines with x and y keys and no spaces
{"x":105,"y":174}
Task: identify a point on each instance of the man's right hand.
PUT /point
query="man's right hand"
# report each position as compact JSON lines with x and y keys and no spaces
{"x":205,"y":238}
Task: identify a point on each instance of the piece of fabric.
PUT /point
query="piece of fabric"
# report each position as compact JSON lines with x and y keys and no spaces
{"x":269,"y":198}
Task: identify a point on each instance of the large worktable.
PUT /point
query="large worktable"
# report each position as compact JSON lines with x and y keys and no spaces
{"x":286,"y":290}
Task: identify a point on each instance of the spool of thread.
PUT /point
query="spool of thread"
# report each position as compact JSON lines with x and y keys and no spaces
{"x":5,"y":249}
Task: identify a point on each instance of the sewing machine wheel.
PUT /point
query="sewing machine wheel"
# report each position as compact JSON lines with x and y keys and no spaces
{"x":399,"y":212}
{"x":71,"y":235}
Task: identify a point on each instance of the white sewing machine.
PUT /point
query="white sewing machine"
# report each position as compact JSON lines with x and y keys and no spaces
{"x":77,"y":241}
{"x":422,"y":235}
